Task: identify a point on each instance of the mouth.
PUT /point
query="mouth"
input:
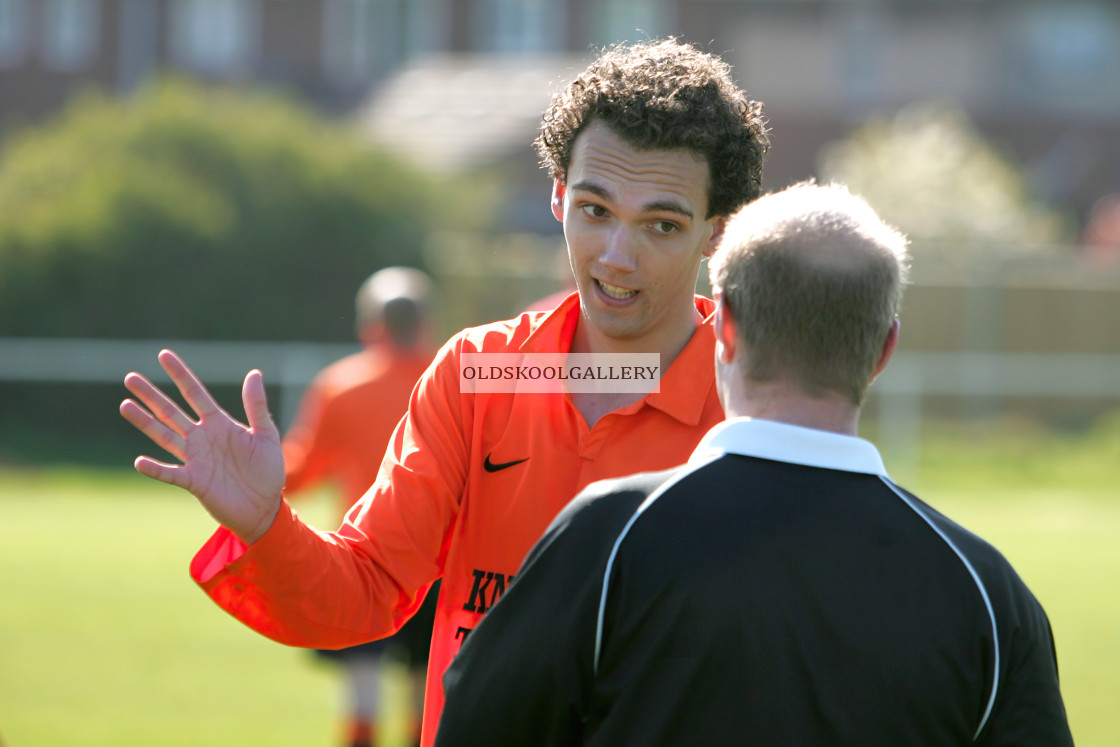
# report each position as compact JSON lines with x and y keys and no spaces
{"x":616,"y":292}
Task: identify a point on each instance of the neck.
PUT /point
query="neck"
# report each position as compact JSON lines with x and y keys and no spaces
{"x":785,"y":403}
{"x":386,"y":346}
{"x":668,"y":342}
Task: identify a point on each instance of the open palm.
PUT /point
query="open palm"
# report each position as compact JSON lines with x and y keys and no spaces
{"x":235,"y":470}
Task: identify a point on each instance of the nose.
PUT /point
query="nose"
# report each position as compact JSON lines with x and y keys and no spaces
{"x":620,"y":252}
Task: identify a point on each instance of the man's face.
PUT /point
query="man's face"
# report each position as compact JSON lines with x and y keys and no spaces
{"x":635,"y":225}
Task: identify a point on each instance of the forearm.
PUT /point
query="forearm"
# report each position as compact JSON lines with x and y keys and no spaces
{"x":302,"y":587}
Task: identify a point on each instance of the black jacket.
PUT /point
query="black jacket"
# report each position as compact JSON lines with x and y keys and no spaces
{"x":778,"y":590}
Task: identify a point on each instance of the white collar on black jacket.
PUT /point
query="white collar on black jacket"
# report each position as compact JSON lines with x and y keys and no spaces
{"x":782,"y":442}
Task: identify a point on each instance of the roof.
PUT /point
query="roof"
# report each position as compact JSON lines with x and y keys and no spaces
{"x":452,"y":112}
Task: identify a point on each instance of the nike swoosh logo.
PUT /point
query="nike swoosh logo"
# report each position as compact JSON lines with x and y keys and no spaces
{"x":491,"y":467}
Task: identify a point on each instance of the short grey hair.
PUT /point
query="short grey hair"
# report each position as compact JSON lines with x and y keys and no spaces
{"x":813,"y":278}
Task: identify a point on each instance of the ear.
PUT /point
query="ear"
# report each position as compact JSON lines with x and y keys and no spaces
{"x":558,"y":192}
{"x":719,"y":223}
{"x":889,"y":344}
{"x":727,"y":335}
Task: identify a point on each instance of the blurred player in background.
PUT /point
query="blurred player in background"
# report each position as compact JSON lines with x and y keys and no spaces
{"x":650,"y":149}
{"x":344,"y":423}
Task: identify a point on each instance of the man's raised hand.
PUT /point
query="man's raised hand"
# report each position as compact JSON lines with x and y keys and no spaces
{"x":235,"y":471}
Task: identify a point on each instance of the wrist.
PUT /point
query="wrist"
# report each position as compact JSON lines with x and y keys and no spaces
{"x":262,"y":527}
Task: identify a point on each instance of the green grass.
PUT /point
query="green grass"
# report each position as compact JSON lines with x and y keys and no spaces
{"x":104,"y":640}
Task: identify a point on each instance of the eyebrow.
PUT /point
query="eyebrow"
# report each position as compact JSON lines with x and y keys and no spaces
{"x":667,"y":206}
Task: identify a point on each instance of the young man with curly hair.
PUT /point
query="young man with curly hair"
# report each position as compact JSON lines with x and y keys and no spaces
{"x":649,"y":149}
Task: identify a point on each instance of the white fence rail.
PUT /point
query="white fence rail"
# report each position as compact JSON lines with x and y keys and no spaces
{"x":291,"y":365}
{"x":911,"y":375}
{"x":287,"y":365}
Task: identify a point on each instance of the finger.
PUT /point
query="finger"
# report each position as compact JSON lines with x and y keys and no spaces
{"x":162,"y":406}
{"x":159,"y":433}
{"x":172,"y":474}
{"x":255,"y":400}
{"x":190,"y":386}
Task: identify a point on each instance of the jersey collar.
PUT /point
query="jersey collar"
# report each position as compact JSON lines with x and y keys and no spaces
{"x":685,"y":387}
{"x":781,"y":442}
{"x":556,"y":329}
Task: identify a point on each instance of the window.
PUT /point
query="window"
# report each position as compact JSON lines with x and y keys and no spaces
{"x":216,"y":37}
{"x":13,"y":32}
{"x":138,"y":34}
{"x":70,"y":33}
{"x":365,"y":39}
{"x":349,"y":40}
{"x":518,"y":25}
{"x":862,"y":30}
{"x":426,"y":26}
{"x":1069,"y":46}
{"x":627,"y":20}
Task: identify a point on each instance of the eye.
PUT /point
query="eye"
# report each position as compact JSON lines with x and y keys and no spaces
{"x":664,"y":227}
{"x":591,"y":210}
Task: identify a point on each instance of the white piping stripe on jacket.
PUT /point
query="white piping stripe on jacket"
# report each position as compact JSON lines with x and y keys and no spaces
{"x":692,"y":467}
{"x":979,"y":584}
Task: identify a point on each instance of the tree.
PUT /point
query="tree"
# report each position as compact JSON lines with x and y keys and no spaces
{"x":191,"y":212}
{"x":203,"y":213}
{"x":928,"y":171}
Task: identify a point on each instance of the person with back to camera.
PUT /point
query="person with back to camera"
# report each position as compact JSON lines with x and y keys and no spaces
{"x":779,"y":589}
{"x":344,"y":422}
{"x":649,"y":150}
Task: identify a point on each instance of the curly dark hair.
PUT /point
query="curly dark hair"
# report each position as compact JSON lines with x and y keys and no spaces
{"x":664,"y":95}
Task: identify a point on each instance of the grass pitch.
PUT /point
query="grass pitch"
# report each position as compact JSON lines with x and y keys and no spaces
{"x":104,"y":640}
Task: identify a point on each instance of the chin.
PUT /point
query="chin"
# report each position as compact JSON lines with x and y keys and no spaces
{"x":621,"y":332}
